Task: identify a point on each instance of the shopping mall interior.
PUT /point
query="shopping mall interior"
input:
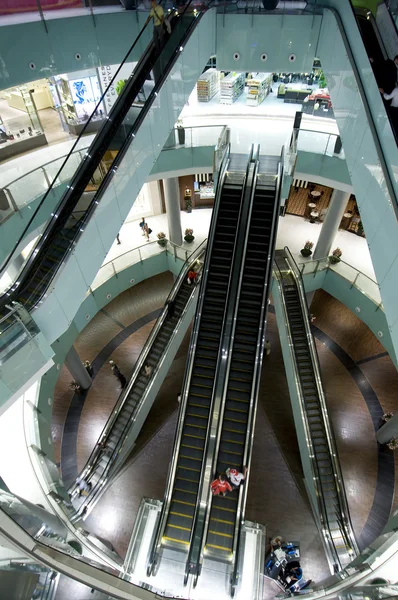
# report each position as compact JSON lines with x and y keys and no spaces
{"x":198,"y":328}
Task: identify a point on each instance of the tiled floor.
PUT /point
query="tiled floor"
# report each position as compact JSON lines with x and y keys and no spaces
{"x":276,"y":493}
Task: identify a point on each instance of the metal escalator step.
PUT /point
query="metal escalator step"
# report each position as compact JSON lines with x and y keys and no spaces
{"x":199,"y":412}
{"x":195,"y":427}
{"x":234,"y":428}
{"x":200,"y":395}
{"x":237,"y":407}
{"x":233,"y":436}
{"x":183,"y":488}
{"x":240,"y":388}
{"x":193,"y":440}
{"x":187,"y":472}
{"x":234,"y":418}
{"x":187,"y":507}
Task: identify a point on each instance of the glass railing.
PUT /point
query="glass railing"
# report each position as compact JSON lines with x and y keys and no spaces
{"x":22,"y":191}
{"x":319,"y":142}
{"x":362,"y":282}
{"x":136,"y":255}
{"x":17,"y":328}
{"x":101,"y":160}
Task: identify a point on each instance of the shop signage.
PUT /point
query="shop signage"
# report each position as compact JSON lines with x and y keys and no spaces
{"x":105,"y":76}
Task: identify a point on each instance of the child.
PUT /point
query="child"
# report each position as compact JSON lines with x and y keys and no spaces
{"x":221,"y":486}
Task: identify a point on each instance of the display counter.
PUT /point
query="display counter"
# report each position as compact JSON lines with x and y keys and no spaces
{"x":19,"y":146}
{"x":92,"y":127}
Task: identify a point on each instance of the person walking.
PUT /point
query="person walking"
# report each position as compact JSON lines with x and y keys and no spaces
{"x":117,"y":373}
{"x":147,"y":231}
{"x":157,"y":14}
{"x":267,"y":347}
{"x":235,"y":477}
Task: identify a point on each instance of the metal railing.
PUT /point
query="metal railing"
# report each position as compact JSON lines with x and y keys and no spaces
{"x":345,"y":525}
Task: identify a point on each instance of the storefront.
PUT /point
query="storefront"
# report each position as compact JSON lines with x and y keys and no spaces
{"x":75,"y":97}
{"x":20,"y":127}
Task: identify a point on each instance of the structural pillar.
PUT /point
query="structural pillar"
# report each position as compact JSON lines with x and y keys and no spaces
{"x":388,"y":431}
{"x":330,"y":227}
{"x":172,"y":199}
{"x":77,"y":369}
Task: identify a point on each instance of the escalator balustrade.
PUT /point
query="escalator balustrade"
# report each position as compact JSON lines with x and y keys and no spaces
{"x":314,"y":413}
{"x":111,"y":444}
{"x":191,"y":452}
{"x":220,"y":536}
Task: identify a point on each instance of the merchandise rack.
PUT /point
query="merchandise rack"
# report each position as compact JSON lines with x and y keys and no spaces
{"x":208,"y":85}
{"x":258,"y":88}
{"x":232,"y":86}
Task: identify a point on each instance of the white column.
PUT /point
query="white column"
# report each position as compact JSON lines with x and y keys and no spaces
{"x":172,"y":200}
{"x":77,"y":369}
{"x":156,"y":200}
{"x":330,"y":227}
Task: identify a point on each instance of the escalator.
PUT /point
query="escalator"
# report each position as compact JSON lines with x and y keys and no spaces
{"x":59,"y":234}
{"x":226,"y":513}
{"x":193,"y":438}
{"x":134,"y":403}
{"x":186,"y":469}
{"x":334,"y":507}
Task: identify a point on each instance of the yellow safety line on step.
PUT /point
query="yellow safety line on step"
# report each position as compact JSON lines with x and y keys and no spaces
{"x":170,"y":539}
{"x":219,"y":533}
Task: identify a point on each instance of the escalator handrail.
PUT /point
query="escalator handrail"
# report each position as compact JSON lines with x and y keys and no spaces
{"x":331,"y":552}
{"x":78,"y":139}
{"x":156,"y":544}
{"x":371,"y":120}
{"x":137,"y":123}
{"x":337,"y":473}
{"x":248,"y":450}
{"x":203,"y":504}
{"x":90,"y":465}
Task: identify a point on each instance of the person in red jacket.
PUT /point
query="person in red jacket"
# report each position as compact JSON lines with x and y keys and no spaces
{"x":221,"y":486}
{"x":192,"y":275}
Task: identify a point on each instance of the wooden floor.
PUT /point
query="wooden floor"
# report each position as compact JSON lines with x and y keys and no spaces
{"x":276,"y":495}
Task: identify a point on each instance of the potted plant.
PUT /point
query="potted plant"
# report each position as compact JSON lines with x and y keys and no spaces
{"x":120,"y":85}
{"x":387,"y":416}
{"x":188,"y":203}
{"x":360,"y":229}
{"x":75,"y":387}
{"x":393,"y":444}
{"x":188,"y":237}
{"x":180,"y":132}
{"x":162,"y":241}
{"x":335,"y":257}
{"x":307,"y":250}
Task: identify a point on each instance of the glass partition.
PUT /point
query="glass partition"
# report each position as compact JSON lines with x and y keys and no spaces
{"x":364,"y":283}
{"x":319,"y":142}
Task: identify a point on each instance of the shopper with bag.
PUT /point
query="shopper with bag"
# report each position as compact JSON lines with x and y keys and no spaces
{"x":157,"y":14}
